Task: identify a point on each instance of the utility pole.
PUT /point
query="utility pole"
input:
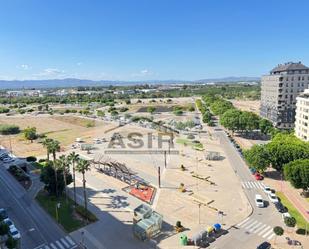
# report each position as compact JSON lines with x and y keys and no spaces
{"x":159,"y":177}
{"x":165,"y":159}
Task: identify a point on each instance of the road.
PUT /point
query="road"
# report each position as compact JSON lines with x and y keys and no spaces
{"x":38,"y":230}
{"x":258,"y":227}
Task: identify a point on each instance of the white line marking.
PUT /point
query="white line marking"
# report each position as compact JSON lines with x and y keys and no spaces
{"x":250,"y":225}
{"x":70,"y":240}
{"x":246,"y":223}
{"x":243,"y":185}
{"x":257,"y":185}
{"x":59,"y":244}
{"x":255,"y":227}
{"x":64,"y":242}
{"x":239,"y":224}
{"x":264,"y":230}
{"x":53,"y":246}
{"x":268,"y":233}
{"x":249,"y":183}
{"x":260,"y":228}
{"x":271,"y":236}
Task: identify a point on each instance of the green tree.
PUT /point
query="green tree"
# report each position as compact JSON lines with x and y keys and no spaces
{"x":151,"y":109}
{"x":278,"y":231}
{"x":73,"y":159}
{"x":30,"y":133}
{"x":285,"y":148}
{"x":290,"y":221}
{"x":220,"y":106}
{"x":9,"y":129}
{"x":64,"y":166}
{"x":257,"y":157}
{"x":82,"y":167}
{"x":46,"y":144}
{"x":11,"y":243}
{"x":231,"y":119}
{"x":4,"y":229}
{"x":249,"y":121}
{"x":265,"y":126}
{"x":297,"y":173}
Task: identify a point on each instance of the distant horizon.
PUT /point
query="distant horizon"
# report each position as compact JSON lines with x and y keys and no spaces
{"x":135,"y":40}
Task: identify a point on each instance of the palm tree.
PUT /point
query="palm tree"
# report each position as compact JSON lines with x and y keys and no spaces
{"x":83,"y":166}
{"x":46,"y":143}
{"x":73,"y":158}
{"x":54,"y":147}
{"x":63,"y":163}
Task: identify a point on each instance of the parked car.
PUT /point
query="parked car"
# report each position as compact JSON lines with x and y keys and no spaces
{"x":14,"y":232}
{"x":279,"y":206}
{"x":286,"y":215}
{"x":8,"y":160}
{"x":9,"y":222}
{"x":258,"y":176}
{"x":3,"y":213}
{"x":264,"y":245}
{"x":273,"y":198}
{"x":267,"y":190}
{"x":252,"y":170}
{"x":259,"y":202}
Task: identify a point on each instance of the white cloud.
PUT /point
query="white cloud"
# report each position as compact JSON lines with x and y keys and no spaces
{"x":79,"y":63}
{"x":142,"y":73}
{"x":24,"y":67}
{"x":51,"y":73}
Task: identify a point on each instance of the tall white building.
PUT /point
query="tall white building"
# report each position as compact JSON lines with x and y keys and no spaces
{"x":279,"y":90}
{"x":302,"y":116}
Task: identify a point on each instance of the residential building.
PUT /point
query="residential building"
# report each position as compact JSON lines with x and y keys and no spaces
{"x":302,"y":116}
{"x":279,"y":90}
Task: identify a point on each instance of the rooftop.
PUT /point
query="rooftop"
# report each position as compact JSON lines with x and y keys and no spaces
{"x":289,"y":66}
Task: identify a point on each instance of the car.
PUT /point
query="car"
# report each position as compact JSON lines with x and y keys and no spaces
{"x":3,"y":213}
{"x":8,"y":160}
{"x":259,"y":202}
{"x":273,"y":198}
{"x":14,"y":232}
{"x":9,"y":222}
{"x":258,"y":176}
{"x":267,"y":190}
{"x":284,"y":215}
{"x":252,"y":170}
{"x":264,"y":245}
{"x":279,"y":206}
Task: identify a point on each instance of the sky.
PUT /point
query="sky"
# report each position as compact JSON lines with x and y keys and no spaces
{"x":150,"y":39}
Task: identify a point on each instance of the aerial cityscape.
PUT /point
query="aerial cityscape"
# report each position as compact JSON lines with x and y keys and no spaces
{"x":154,"y":124}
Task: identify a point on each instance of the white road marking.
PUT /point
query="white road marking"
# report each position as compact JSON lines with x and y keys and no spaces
{"x":264,"y":230}
{"x":239,"y":224}
{"x":250,"y":186}
{"x":53,"y":246}
{"x":260,"y":228}
{"x":31,"y":230}
{"x":268,"y":233}
{"x":246,"y":223}
{"x":250,"y":225}
{"x":256,"y":184}
{"x":255,"y":227}
{"x":271,"y":236}
{"x":243,"y":185}
{"x":59,"y":244}
{"x":64,"y":242}
{"x":70,"y":240}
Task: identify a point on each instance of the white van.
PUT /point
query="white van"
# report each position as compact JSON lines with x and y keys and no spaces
{"x":259,"y":201}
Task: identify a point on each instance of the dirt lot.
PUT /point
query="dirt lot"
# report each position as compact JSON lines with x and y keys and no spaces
{"x":65,"y":129}
{"x":247,"y":105}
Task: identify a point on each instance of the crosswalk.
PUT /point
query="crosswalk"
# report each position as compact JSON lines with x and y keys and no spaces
{"x":253,"y":184}
{"x":253,"y":226}
{"x":62,"y":243}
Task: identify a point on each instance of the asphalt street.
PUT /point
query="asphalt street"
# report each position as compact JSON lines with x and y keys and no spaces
{"x":37,"y":228}
{"x":258,"y":227}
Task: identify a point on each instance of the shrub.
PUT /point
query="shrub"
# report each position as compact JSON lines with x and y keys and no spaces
{"x":42,"y":160}
{"x":302,"y":231}
{"x":4,"y":110}
{"x":290,"y":221}
{"x":31,"y":159}
{"x":9,"y":129}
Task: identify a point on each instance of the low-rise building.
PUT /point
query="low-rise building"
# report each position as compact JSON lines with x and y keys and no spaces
{"x":302,"y":116}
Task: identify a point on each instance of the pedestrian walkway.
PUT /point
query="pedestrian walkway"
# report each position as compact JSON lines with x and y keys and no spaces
{"x":62,"y":243}
{"x":252,"y":226}
{"x":252,"y":184}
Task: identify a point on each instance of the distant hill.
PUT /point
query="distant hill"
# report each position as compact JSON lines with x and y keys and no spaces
{"x":71,"y":82}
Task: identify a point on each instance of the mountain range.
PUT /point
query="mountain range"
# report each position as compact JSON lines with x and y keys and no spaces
{"x":72,"y":82}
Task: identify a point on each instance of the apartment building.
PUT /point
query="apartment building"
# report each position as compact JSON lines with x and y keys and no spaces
{"x":302,"y":116}
{"x":279,"y":90}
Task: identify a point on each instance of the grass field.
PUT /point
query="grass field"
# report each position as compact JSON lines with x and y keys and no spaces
{"x":301,"y":222}
{"x":66,"y":214}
